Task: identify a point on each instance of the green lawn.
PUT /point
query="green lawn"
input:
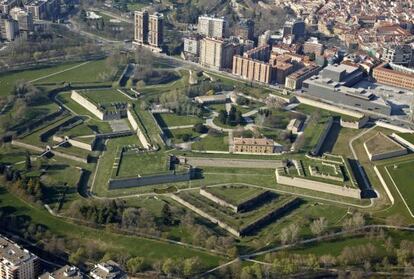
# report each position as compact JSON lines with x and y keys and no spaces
{"x":403,"y":176}
{"x":8,"y":80}
{"x":214,"y":143}
{"x":104,"y":96}
{"x":90,"y":72}
{"x":135,"y":246}
{"x":171,"y":120}
{"x":177,"y":134}
{"x":142,"y":164}
{"x":235,"y":194}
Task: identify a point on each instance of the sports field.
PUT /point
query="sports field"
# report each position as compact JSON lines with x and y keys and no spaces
{"x":403,"y":177}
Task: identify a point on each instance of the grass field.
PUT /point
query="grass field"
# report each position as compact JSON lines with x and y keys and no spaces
{"x":403,"y":177}
{"x":104,"y":96}
{"x":235,"y":194}
{"x":380,"y":143}
{"x":214,"y":143}
{"x":89,"y":72}
{"x":8,"y":80}
{"x":171,"y":120}
{"x":135,"y":246}
{"x":142,"y":164}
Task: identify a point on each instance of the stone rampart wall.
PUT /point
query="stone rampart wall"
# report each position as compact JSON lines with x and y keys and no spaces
{"x":87,"y":104}
{"x":317,"y":186}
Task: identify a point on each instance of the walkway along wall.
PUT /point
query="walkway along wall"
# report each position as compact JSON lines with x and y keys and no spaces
{"x":317,"y":186}
{"x":140,"y":133}
{"x":76,"y":143}
{"x":329,"y":107}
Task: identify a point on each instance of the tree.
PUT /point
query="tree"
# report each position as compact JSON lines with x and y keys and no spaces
{"x":200,"y":128}
{"x":137,"y":264}
{"x":222,"y":117}
{"x":192,"y":266}
{"x":318,"y":226}
{"x":28,"y":162}
{"x":77,"y":257}
{"x":167,"y":218}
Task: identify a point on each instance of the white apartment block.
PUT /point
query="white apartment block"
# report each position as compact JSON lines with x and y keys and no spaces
{"x":17,"y":262}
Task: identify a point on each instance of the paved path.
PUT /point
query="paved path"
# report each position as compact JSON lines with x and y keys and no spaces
{"x":178,"y":127}
{"x":234,"y":163}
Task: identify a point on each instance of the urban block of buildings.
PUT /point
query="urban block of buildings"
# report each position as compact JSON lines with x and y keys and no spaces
{"x":394,"y":75}
{"x":17,"y":262}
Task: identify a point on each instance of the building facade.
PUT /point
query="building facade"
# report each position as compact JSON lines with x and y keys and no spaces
{"x":108,"y":270}
{"x":294,"y":81}
{"x":399,"y":54}
{"x":9,"y":28}
{"x":394,"y":75}
{"x":23,"y":17}
{"x":17,"y":262}
{"x":149,"y":29}
{"x":253,"y":145}
{"x":218,"y":54}
{"x":212,"y":27}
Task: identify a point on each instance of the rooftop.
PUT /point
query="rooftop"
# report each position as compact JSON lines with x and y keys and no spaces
{"x":65,"y":272}
{"x":12,"y":254}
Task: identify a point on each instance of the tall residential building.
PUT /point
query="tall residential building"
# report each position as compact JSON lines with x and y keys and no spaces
{"x":141,"y":26}
{"x":7,"y":5}
{"x":66,"y":272}
{"x":399,"y":54}
{"x":23,"y":17}
{"x":245,"y":29}
{"x":37,"y":8}
{"x":16,"y":262}
{"x":212,"y":27}
{"x":297,"y":28}
{"x":218,"y":54}
{"x":149,"y":29}
{"x":9,"y":28}
{"x":156,"y":30}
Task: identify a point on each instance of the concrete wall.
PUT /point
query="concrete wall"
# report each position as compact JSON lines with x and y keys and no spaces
{"x":385,"y":155}
{"x":317,"y":186}
{"x":315,"y":151}
{"x":205,"y":215}
{"x":78,"y":144}
{"x":87,"y":104}
{"x":149,"y":180}
{"x":218,"y":200}
{"x":402,"y":141}
{"x":358,"y":124}
{"x":140,"y":133}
